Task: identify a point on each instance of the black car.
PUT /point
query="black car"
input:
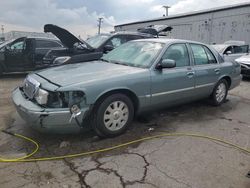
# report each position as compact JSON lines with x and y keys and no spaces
{"x":93,"y":48}
{"x":25,"y":54}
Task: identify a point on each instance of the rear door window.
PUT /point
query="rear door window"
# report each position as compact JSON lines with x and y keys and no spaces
{"x":199,"y":53}
{"x":47,"y":44}
{"x":241,"y":49}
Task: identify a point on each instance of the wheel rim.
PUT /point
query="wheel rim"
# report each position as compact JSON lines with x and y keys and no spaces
{"x":220,"y":92}
{"x":116,"y":116}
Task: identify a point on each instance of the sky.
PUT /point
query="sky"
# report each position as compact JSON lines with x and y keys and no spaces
{"x":80,"y":16}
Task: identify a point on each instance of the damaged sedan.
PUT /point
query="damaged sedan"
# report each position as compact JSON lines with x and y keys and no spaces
{"x":141,"y":75}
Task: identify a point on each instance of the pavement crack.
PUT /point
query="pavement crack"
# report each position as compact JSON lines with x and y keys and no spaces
{"x":81,"y":178}
{"x":108,"y":171}
{"x":171,"y":177}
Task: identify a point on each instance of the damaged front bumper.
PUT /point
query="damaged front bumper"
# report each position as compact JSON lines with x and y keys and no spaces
{"x":53,"y":120}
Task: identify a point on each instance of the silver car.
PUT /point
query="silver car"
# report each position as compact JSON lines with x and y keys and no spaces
{"x":138,"y":76}
{"x":232,"y":50}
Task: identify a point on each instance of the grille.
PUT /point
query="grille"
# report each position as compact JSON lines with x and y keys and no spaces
{"x":30,"y":87}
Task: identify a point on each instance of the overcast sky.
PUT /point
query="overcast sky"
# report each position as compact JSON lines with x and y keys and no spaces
{"x":80,"y":16}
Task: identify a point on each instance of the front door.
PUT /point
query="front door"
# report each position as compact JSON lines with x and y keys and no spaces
{"x":13,"y":55}
{"x":173,"y":85}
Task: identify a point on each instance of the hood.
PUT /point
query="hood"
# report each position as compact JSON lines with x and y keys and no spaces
{"x":67,"y":38}
{"x":244,"y":59}
{"x":155,"y":29}
{"x":87,"y":73}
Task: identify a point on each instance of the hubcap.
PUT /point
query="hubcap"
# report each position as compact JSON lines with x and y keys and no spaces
{"x":220,"y":92}
{"x":116,"y":116}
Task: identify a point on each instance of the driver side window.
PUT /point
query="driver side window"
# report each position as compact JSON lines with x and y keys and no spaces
{"x":19,"y":45}
{"x":178,"y":53}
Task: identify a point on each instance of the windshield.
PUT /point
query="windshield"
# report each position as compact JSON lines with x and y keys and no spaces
{"x":6,"y":42}
{"x":97,"y":40}
{"x":219,"y":47}
{"x":135,"y":53}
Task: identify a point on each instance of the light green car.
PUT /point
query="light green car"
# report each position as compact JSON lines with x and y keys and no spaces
{"x":138,"y":76}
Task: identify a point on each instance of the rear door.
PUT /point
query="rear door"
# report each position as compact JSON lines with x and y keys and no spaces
{"x":42,"y":46}
{"x":173,"y":85}
{"x":207,"y":69}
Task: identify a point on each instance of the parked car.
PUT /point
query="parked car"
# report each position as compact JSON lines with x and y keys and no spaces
{"x":232,"y":50}
{"x":94,"y":47}
{"x":135,"y":77}
{"x":244,"y":61}
{"x":25,"y":54}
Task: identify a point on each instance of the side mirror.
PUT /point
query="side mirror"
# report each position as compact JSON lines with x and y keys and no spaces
{"x":107,"y":48}
{"x":228,"y":52}
{"x":166,"y":63}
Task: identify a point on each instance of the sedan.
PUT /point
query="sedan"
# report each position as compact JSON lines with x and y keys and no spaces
{"x":244,"y":61}
{"x":139,"y":76}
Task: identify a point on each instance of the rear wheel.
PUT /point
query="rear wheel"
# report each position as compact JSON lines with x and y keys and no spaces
{"x":113,"y":115}
{"x":219,"y":94}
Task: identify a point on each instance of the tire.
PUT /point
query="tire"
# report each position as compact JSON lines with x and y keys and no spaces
{"x":113,"y":115}
{"x":219,"y":94}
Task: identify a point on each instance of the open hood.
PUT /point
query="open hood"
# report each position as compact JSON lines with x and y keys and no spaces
{"x":67,"y":38}
{"x":155,"y":29}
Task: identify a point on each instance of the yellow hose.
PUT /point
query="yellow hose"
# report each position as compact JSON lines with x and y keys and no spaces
{"x":28,"y":159}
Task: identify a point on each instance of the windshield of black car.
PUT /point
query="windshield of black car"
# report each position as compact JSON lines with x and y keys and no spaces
{"x":97,"y":40}
{"x":5,"y":43}
{"x":135,"y":53}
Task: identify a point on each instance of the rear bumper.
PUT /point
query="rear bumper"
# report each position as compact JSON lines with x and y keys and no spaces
{"x":43,"y":119}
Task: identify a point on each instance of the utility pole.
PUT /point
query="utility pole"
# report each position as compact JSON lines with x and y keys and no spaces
{"x":2,"y":29}
{"x":100,"y":21}
{"x":166,"y":7}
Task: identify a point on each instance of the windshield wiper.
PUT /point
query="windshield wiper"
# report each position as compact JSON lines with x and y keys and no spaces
{"x":119,"y":63}
{"x":105,"y":60}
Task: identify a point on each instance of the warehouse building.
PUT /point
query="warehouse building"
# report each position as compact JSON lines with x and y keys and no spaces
{"x":209,"y":26}
{"x":17,"y":34}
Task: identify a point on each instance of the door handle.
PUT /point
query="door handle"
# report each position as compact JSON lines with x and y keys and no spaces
{"x":190,"y":74}
{"x":217,"y":71}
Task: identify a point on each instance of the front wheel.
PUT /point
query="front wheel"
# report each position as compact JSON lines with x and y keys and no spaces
{"x":113,"y":115}
{"x":219,"y":94}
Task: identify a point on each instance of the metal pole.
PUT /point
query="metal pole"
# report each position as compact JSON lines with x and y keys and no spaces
{"x":99,"y":25}
{"x":166,"y":7}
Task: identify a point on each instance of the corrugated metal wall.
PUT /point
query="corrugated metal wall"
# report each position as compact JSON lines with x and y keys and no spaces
{"x":214,"y":27}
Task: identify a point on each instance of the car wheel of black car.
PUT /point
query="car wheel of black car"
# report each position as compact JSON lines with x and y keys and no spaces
{"x":113,"y":115}
{"x":220,"y":91}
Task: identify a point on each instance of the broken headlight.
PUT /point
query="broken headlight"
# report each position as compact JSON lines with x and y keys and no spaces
{"x":66,"y":99}
{"x":41,"y":96}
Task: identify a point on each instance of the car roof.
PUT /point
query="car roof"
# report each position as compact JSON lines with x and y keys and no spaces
{"x":167,"y":40}
{"x":132,"y":33}
{"x":42,"y":38}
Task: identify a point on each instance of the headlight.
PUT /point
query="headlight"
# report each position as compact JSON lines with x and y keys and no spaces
{"x":66,"y":99}
{"x":61,"y":60}
{"x":41,"y":96}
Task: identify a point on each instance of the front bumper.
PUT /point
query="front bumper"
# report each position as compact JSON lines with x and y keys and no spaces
{"x":45,"y":119}
{"x":245,"y":71}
